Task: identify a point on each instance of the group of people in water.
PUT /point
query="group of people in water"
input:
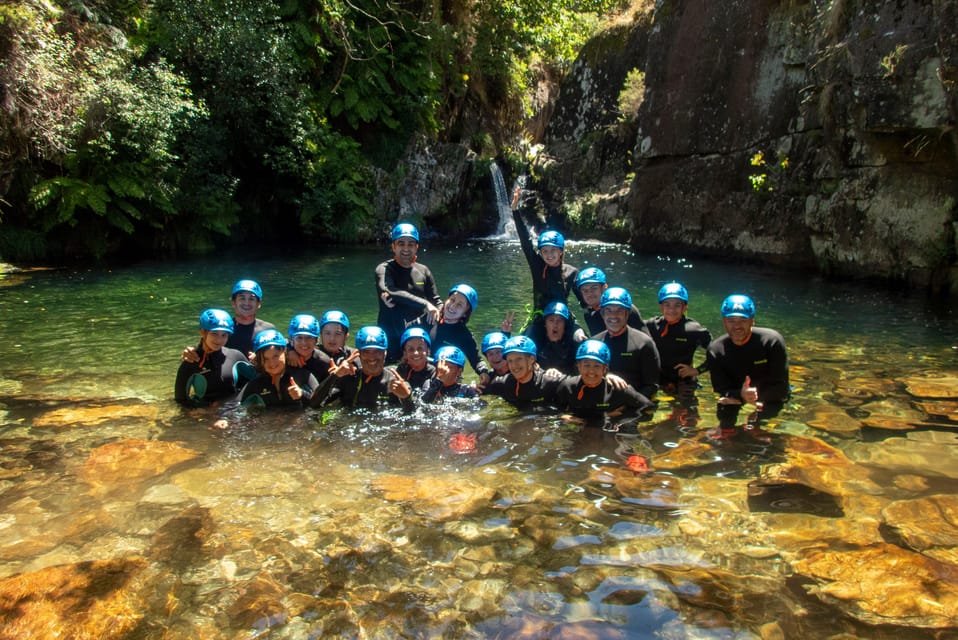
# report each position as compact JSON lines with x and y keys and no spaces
{"x":607,"y":369}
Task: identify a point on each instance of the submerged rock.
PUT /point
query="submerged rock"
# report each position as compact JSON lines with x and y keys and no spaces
{"x":121,"y":466}
{"x":936,"y":385}
{"x":928,"y":525}
{"x":819,"y":466}
{"x":92,"y":415}
{"x":923,"y":453}
{"x":884,"y":584}
{"x":434,"y":497}
{"x":101,"y":600}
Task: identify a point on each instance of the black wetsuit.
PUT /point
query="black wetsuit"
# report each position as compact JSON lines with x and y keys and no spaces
{"x":242,"y":337}
{"x":409,"y":292}
{"x":548,"y":283}
{"x":635,"y":358}
{"x":434,"y":391}
{"x":763,"y":359}
{"x":318,"y":363}
{"x":596,"y":325}
{"x":416,"y":379}
{"x":677,"y":344}
{"x":359,"y":391}
{"x":216,"y":367}
{"x":273,"y":395}
{"x":538,"y":392}
{"x":457,"y":334}
{"x":594,"y":403}
{"x":554,"y":355}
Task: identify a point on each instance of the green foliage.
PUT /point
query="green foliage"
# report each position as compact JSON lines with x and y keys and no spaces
{"x":167,"y":125}
{"x":768,"y":176}
{"x":632,"y":95}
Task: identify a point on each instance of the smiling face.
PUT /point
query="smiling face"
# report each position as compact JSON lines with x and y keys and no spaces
{"x":521,"y":366}
{"x":592,"y":371}
{"x":673,"y":309}
{"x":591,"y":292}
{"x":415,"y":352}
{"x":739,"y":329}
{"x":404,"y":251}
{"x":334,"y":336}
{"x":304,"y":345}
{"x":213,"y":340}
{"x":551,"y":255}
{"x":555,"y":327}
{"x":272,"y":359}
{"x":246,"y":305}
{"x":455,"y":308}
{"x":497,"y":362}
{"x":615,"y":317}
{"x":373,"y":361}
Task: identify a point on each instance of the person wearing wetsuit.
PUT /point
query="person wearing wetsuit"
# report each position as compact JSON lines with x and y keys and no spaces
{"x":448,"y":380}
{"x":215,"y":364}
{"x":452,"y":329}
{"x":303,"y":352}
{"x":554,"y":338}
{"x":552,"y":279}
{"x":590,"y":397}
{"x":748,"y":365}
{"x":634,"y":356}
{"x":372,"y":386}
{"x":526,"y":386}
{"x":677,"y":337}
{"x":491,"y":347}
{"x":405,"y":289}
{"x":333,"y":334}
{"x":246,"y":298}
{"x":415,"y":367}
{"x":276,"y":384}
{"x":589,"y":285}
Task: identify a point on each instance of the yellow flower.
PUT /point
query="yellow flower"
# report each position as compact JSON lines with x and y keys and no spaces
{"x":758,"y":159}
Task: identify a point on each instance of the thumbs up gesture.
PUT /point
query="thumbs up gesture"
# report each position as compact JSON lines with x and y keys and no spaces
{"x":749,"y":393}
{"x":294,"y":391}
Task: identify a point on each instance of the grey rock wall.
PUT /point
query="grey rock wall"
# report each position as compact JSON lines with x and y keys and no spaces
{"x":851,"y":104}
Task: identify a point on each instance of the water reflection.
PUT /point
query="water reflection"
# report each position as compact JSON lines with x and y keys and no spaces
{"x":125,"y":516}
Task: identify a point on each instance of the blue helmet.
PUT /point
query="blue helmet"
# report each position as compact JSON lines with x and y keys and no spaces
{"x":405,"y":230}
{"x":268,"y":338}
{"x":451,"y":354}
{"x":520,"y":344}
{"x":551,"y":239}
{"x":673,"y":290}
{"x":250,"y":286}
{"x":616,"y":296}
{"x":216,"y":320}
{"x":303,"y":324}
{"x":415,"y":332}
{"x":590,"y":275}
{"x":493,"y":340}
{"x":372,"y":337}
{"x":594,"y":350}
{"x":334,"y":316}
{"x":556,"y":308}
{"x":738,"y":306}
{"x":468,"y":292}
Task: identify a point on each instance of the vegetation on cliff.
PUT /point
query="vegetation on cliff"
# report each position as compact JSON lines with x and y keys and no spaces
{"x":169,"y":126}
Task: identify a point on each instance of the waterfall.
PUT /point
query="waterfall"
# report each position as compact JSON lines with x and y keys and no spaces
{"x":506,"y":229}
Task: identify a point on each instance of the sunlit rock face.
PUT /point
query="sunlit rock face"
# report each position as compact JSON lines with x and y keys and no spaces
{"x":810,"y":134}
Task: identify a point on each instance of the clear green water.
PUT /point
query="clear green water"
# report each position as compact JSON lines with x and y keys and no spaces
{"x":349,"y":526}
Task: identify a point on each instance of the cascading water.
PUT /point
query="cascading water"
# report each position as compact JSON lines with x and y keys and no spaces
{"x":506,"y":229}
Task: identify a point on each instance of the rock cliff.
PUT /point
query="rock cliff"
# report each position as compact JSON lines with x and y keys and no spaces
{"x":811,"y":134}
